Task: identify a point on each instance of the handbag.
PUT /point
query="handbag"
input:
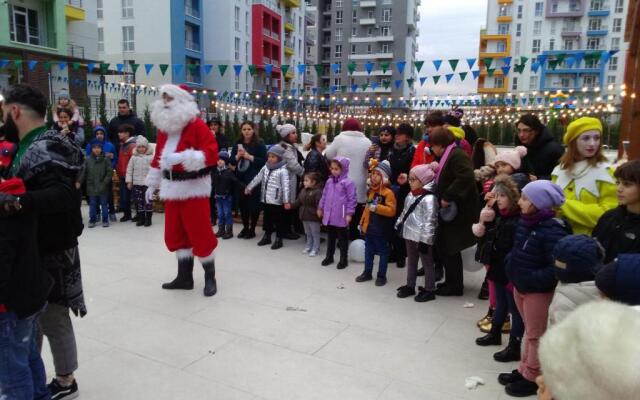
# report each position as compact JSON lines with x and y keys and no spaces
{"x":400,"y":226}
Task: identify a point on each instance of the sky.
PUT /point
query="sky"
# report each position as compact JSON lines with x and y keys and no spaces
{"x":449,"y":29}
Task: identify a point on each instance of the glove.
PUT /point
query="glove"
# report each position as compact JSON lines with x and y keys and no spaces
{"x":372,"y":207}
{"x":149,"y":194}
{"x":9,"y":204}
{"x":175,"y":158}
{"x":423,"y":248}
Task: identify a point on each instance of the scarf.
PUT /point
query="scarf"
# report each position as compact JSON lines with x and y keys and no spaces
{"x":509,"y":212}
{"x":277,"y":165}
{"x":443,"y":160}
{"x":531,"y":220}
{"x":418,"y":192}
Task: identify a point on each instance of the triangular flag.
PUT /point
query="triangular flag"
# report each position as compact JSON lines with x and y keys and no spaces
{"x":423,"y":80}
{"x":437,"y":64}
{"x":436,"y":78}
{"x":134,"y":67}
{"x":319,"y":69}
{"x":506,"y":60}
{"x":4,"y":63}
{"x":605,"y":57}
{"x":506,"y":69}
{"x":192,"y":67}
{"x":542,"y":58}
{"x":454,"y":64}
{"x":386,"y":84}
{"x":535,"y":66}
{"x":560,"y":57}
{"x":418,"y":65}
{"x":368,"y":67}
{"x":46,"y":65}
{"x":476,"y":74}
{"x":119,"y":67}
{"x":365,"y":86}
{"x":471,"y":62}
{"x":553,"y":64}
{"x":63,"y":65}
{"x":301,"y":69}
{"x":354,"y":87}
{"x":351,"y":67}
{"x":579,"y":56}
{"x":268,"y":69}
{"x":384,"y":66}
{"x":104,"y":68}
{"x":449,"y":77}
{"x":463,"y":76}
{"x":163,"y":68}
{"x":284,"y":68}
{"x":398,"y":83}
{"x":490,"y":71}
{"x":410,"y":82}
{"x":31,"y":64}
{"x":400,"y":65}
{"x":335,"y":67}
{"x":343,"y":88}
{"x":252,"y":69}
{"x":148,"y":68}
{"x":523,"y":60}
{"x":487,"y":62}
{"x":177,"y":68}
{"x":91,"y":67}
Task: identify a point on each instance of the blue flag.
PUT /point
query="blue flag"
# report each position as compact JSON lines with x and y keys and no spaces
{"x":148,"y":68}
{"x":471,"y":62}
{"x":237,"y":68}
{"x":401,"y":65}
{"x":437,"y":64}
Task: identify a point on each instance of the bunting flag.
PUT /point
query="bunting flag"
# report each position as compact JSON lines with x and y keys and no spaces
{"x":319,"y":69}
{"x":354,"y":88}
{"x":579,"y":56}
{"x":177,"y":68}
{"x":31,"y":64}
{"x":163,"y":68}
{"x":351,"y":67}
{"x":91,"y":67}
{"x":454,"y":64}
{"x":365,"y":86}
{"x":401,"y":65}
{"x":418,"y":65}
{"x":437,"y":64}
{"x":368,"y":67}
{"x":104,"y":68}
{"x":560,"y":58}
{"x":523,"y":60}
{"x":268,"y":69}
{"x":375,"y":85}
{"x":284,"y":68}
{"x":134,"y":67}
{"x":542,"y":58}
{"x":410,"y":82}
{"x":488,"y":62}
{"x":449,"y":77}
{"x":436,"y":78}
{"x":535,"y":66}
{"x":302,"y":69}
{"x":384,"y":66}
{"x":553,"y":64}
{"x":471,"y":62}
{"x":605,"y":56}
{"x":519,"y":68}
{"x":335,"y":67}
{"x":463,"y":76}
{"x":61,"y":65}
{"x":570,"y":61}
{"x":386,"y":84}
{"x":398,"y":83}
{"x":423,"y":80}
{"x":476,"y":73}
{"x":148,"y":68}
{"x":506,"y":69}
{"x":119,"y":67}
{"x":252,"y":69}
{"x":490,"y":71}
{"x":506,"y":60}
{"x":4,"y":63}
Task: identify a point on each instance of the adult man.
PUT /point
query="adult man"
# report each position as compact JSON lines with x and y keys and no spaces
{"x":181,"y":169}
{"x":543,"y":151}
{"x":48,"y":164}
{"x":125,"y":116}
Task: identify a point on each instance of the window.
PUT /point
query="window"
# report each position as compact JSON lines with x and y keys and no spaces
{"x":554,"y":7}
{"x":338,"y":34}
{"x":539,"y":9}
{"x":518,"y":30}
{"x":353,"y":49}
{"x":127,"y":8}
{"x":369,"y":48}
{"x":611,"y":79}
{"x":589,"y":80}
{"x":537,"y":28}
{"x":338,"y":52}
{"x":514,"y":83}
{"x":236,"y":18}
{"x":553,"y":27}
{"x":520,"y":11}
{"x":338,"y":69}
{"x":354,"y":31}
{"x":386,"y":15}
{"x":518,"y":48}
{"x":535,"y":46}
{"x":617,"y":25}
{"x":246,"y":52}
{"x":503,"y":29}
{"x":354,"y":16}
{"x":591,"y":63}
{"x":501,"y":47}
{"x":498,"y":82}
{"x":99,"y":9}
{"x":236,"y":49}
{"x":619,"y":6}
{"x":574,"y":5}
{"x":565,"y":82}
{"x":595,"y":24}
{"x":128,"y":43}
{"x":100,"y":39}
{"x":615,"y":43}
{"x":237,"y":82}
{"x":371,"y":14}
{"x":593,"y":44}
{"x":369,"y":32}
{"x":386,"y":31}
{"x":568,"y":44}
{"x":339,"y":17}
{"x":246,"y":22}
{"x":338,"y":3}
{"x":23,"y":25}
{"x":385,"y":48}
{"x":533,"y":82}
{"x":503,"y":11}
{"x":613,"y":64}
{"x":337,"y":81}
{"x":552,"y":44}
{"x":597,"y":5}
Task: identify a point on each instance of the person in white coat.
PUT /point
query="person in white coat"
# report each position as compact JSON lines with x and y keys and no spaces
{"x":351,"y":143}
{"x":293,"y":160}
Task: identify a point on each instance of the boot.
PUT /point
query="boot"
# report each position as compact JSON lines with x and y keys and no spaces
{"x":126,"y":217}
{"x":484,"y":291}
{"x":251,"y":233}
{"x":486,"y":319}
{"x":328,"y":260}
{"x":136,"y":218}
{"x":277,"y":244}
{"x":343,"y":263}
{"x":184,"y":280}
{"x":210,"y":286}
{"x":139,"y":218}
{"x":511,"y":352}
{"x":266,"y":239}
{"x":242,"y":234}
{"x":148,"y":216}
{"x":220,"y":232}
{"x":490,"y":339}
{"x":228,"y":233}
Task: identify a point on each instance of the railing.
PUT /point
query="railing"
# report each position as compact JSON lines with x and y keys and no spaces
{"x":288,"y":43}
{"x":75,"y":3}
{"x":191,"y":45}
{"x":192,"y":12}
{"x":75,"y":51}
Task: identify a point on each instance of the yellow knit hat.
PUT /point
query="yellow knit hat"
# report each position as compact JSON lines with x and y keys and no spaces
{"x":458,"y":133}
{"x":579,"y":126}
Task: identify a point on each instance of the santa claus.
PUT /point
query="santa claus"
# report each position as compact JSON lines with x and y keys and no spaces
{"x":186,"y":151}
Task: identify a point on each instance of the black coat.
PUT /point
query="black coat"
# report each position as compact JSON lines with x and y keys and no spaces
{"x":542,"y":155}
{"x":494,"y":246}
{"x":400,"y":161}
{"x":225,"y":182}
{"x":131,"y":119}
{"x":316,"y":162}
{"x":259,"y":152}
{"x":619,"y":232}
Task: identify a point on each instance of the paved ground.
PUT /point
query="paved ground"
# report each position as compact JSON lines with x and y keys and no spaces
{"x":346,"y":340}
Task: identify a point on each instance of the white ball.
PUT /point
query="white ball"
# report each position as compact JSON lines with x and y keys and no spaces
{"x":356,"y":250}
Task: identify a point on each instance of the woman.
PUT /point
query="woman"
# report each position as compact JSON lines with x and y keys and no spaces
{"x":316,"y":161}
{"x":382,"y":144}
{"x":458,"y":199}
{"x":543,"y":151}
{"x":66,"y":126}
{"x":585,"y":176}
{"x":65,"y":102}
{"x":248,"y":155}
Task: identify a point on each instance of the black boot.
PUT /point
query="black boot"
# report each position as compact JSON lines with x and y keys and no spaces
{"x":400,"y":262}
{"x":243,"y":233}
{"x":126,"y":217}
{"x":228,"y":233}
{"x":266,"y":239}
{"x":148,"y":216}
{"x":522,"y":388}
{"x":184,"y":280}
{"x":136,"y":218}
{"x":484,"y":291}
{"x":277,"y":244}
{"x":220,"y":232}
{"x":343,"y":263}
{"x":511,"y":352}
{"x":210,"y":286}
{"x":490,"y":339}
{"x":251,"y":232}
{"x":328,"y":260}
{"x":139,"y":218}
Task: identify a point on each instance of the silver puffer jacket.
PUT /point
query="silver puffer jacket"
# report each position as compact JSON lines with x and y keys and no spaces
{"x":274,"y":185}
{"x":421,"y":224}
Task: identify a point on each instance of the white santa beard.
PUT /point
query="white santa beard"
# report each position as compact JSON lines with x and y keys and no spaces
{"x":172,"y":118}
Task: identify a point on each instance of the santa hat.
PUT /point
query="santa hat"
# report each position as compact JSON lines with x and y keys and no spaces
{"x":285,"y":130}
{"x":594,"y":353}
{"x":512,"y":157}
{"x":180,"y":93}
{"x":351,"y":124}
{"x":425,"y":172}
{"x":13,"y":186}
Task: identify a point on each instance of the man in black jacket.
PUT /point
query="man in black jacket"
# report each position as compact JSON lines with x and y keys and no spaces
{"x":543,"y":151}
{"x":48,"y":164}
{"x":125,"y":116}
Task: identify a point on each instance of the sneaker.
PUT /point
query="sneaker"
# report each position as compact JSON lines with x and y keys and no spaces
{"x":105,"y":224}
{"x":59,"y":392}
{"x":364,"y":277}
{"x":306,"y":250}
{"x":510,"y":377}
{"x":313,"y":253}
{"x":424,"y":296}
{"x":112,"y":218}
{"x":381,"y":281}
{"x":406,"y":291}
{"x":92,"y":224}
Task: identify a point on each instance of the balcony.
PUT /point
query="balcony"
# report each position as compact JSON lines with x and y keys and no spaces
{"x":309,"y":19}
{"x":504,"y":18}
{"x":291,"y":3}
{"x":484,"y":45}
{"x":327,"y":10}
{"x":367,"y":3}
{"x":288,"y":47}
{"x":191,"y":12}
{"x":370,"y":56}
{"x":381,"y":89}
{"x":289,"y":24}
{"x":598,"y":31}
{"x":73,"y":10}
{"x":553,"y":10}
{"x":601,"y":10}
{"x":75,"y":51}
{"x":367,"y":21}
{"x":570,"y":31}
{"x":499,"y":90}
{"x":310,"y":38}
{"x":501,"y":2}
{"x":191,"y":45}
{"x":270,"y":34}
{"x":366,"y":39}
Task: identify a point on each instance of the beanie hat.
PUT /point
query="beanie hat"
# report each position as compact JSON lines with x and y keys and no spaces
{"x":458,"y":133}
{"x":285,"y":130}
{"x":13,"y":186}
{"x":620,"y":280}
{"x":223,"y":155}
{"x":512,"y":157}
{"x":351,"y":124}
{"x":593,"y":353}
{"x":577,"y":258}
{"x":276,"y":150}
{"x":505,"y":185}
{"x":425,"y":172}
{"x":544,"y":195}
{"x":520,"y":179}
{"x":142,"y":141}
{"x":579,"y":126}
{"x":384,"y":168}
{"x":63,"y":94}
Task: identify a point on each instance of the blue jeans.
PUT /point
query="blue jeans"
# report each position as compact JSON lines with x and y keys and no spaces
{"x":224,"y":204}
{"x":22,"y":375}
{"x":505,"y":304}
{"x":103,"y":201}
{"x":374,"y":244}
{"x":125,"y":197}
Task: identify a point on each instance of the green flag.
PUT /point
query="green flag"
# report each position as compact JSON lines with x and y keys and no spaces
{"x":252,"y":69}
{"x":46,"y":65}
{"x":523,"y":61}
{"x":463,"y":76}
{"x":18,"y":63}
{"x":386,"y":84}
{"x":436,"y":78}
{"x":553,"y":64}
{"x":343,"y":88}
{"x":419,"y":65}
{"x":490,"y":71}
{"x":454,"y":64}
{"x":351,"y":67}
{"x":134,"y":67}
{"x":284,"y":68}
{"x":319,"y":69}
{"x":75,"y":66}
{"x":560,"y":57}
{"x":104,"y":68}
{"x":364,"y":87}
{"x":488,"y":62}
{"x":222,"y":68}
{"x":192,"y":67}
{"x":384,"y":66}
{"x":163,"y":68}
{"x":410,"y":82}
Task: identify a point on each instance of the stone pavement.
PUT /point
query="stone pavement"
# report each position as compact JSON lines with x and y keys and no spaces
{"x":281,"y":327}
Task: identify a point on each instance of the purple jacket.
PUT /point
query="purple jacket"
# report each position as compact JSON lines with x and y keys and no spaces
{"x":338,"y":197}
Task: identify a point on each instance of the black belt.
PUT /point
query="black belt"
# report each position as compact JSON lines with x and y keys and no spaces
{"x":186,"y":175}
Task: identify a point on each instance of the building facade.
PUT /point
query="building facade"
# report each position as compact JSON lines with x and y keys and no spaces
{"x":359,"y":31}
{"x":531,"y":28}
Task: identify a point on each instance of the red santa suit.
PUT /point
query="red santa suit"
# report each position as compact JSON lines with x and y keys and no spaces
{"x":181,"y":172}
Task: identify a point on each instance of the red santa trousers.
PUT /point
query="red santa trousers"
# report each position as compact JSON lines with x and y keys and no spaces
{"x":187,"y":225}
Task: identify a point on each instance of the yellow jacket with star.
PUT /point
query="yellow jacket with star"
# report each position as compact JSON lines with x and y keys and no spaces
{"x":589,"y":192}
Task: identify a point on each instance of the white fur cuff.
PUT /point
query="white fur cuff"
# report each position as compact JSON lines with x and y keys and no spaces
{"x":184,"y":253}
{"x":153,"y":178}
{"x":210,"y":257}
{"x":193,"y":160}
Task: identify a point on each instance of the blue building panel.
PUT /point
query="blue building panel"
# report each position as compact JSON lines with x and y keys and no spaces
{"x":598,"y":32}
{"x":575,"y":72}
{"x":179,"y":53}
{"x":598,"y":13}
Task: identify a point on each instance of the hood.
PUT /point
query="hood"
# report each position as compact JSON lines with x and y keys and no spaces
{"x":344,"y":162}
{"x":51,"y":150}
{"x":352,"y":133}
{"x":543,"y":138}
{"x":104,"y":131}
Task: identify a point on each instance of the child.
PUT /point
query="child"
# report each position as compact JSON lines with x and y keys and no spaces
{"x":620,"y":280}
{"x":377,"y":223}
{"x":530,"y":269}
{"x":223,"y":181}
{"x":274,"y":180}
{"x":136,"y":175}
{"x":618,"y":230}
{"x":336,"y":208}
{"x":418,"y":221}
{"x":498,"y":222}
{"x":97,"y":175}
{"x":127,"y":146}
{"x":308,"y":201}
{"x":509,"y":162}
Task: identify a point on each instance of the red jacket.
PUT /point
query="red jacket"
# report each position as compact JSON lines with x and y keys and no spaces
{"x":126,"y":151}
{"x":421,"y":156}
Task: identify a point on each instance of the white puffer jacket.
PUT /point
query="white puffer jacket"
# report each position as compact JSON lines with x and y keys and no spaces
{"x":274,"y":185}
{"x":568,"y":296}
{"x":293,"y":166}
{"x":138,"y":167}
{"x":354,"y":146}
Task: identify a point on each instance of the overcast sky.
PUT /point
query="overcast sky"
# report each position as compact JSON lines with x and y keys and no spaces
{"x":449,"y":29}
